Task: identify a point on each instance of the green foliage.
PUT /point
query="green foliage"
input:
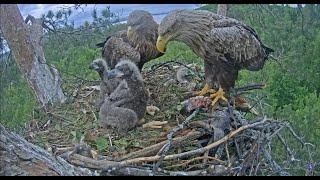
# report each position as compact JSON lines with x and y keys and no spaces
{"x":76,"y":136}
{"x":105,"y":18}
{"x":293,"y":81}
{"x":69,"y":51}
{"x":76,"y":63}
{"x":210,"y":7}
{"x":125,"y":143}
{"x":58,"y":20}
{"x":303,"y":112}
{"x":101,"y":144}
{"x":17,"y":101}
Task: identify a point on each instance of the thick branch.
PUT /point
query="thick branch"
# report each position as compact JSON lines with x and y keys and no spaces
{"x":196,"y":151}
{"x":25,"y":43}
{"x":19,"y":157}
{"x":176,"y":142}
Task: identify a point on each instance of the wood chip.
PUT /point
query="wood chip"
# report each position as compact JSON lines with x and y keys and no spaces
{"x":154,"y":124}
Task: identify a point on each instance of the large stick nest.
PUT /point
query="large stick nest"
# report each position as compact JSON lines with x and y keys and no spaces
{"x":191,"y":138}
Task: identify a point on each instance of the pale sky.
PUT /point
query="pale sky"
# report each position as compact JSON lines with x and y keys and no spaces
{"x":80,"y":16}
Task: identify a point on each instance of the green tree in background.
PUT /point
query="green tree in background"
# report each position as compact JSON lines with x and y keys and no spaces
{"x":293,"y":80}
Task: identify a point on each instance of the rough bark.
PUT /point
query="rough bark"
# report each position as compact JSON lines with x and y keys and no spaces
{"x":19,"y":157}
{"x":222,"y":9}
{"x":25,"y":43}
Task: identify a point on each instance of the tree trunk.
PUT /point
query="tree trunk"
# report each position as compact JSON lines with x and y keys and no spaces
{"x":222,"y":9}
{"x":25,"y":43}
{"x":19,"y":157}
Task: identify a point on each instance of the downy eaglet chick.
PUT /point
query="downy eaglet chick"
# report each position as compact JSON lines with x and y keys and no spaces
{"x":107,"y":86}
{"x":127,"y":103}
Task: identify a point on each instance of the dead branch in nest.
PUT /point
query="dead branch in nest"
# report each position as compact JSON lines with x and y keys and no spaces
{"x":210,"y":146}
{"x":245,"y":89}
{"x":162,"y":152}
{"x":247,"y":152}
{"x":197,"y":159}
{"x":138,"y":171}
{"x":288,"y":149}
{"x":103,"y":164}
{"x":152,"y":150}
{"x":246,"y":149}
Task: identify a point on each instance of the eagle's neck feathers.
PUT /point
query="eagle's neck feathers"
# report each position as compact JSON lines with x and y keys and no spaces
{"x":194,"y":32}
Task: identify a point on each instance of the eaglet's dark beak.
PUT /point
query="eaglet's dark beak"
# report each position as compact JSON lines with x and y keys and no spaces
{"x":94,"y":66}
{"x":115,"y":73}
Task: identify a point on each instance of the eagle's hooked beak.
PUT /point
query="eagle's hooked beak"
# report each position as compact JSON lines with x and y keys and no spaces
{"x":129,"y":31}
{"x":161,"y":43}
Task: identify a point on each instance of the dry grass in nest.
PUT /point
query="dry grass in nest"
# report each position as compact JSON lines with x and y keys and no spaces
{"x":77,"y":121}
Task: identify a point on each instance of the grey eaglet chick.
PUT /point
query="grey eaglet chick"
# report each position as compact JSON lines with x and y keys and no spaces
{"x":127,"y":103}
{"x":107,"y":86}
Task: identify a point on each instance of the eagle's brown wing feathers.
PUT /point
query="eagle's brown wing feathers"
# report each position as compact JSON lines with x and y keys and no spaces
{"x":139,"y":45}
{"x":239,"y":46}
{"x":119,"y":34}
{"x":116,"y":49}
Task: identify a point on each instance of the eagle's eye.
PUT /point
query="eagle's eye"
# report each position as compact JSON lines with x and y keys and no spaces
{"x":168,"y":31}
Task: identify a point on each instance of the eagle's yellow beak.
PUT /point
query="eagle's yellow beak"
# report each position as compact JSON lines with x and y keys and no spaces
{"x":161,"y":43}
{"x":129,"y":31}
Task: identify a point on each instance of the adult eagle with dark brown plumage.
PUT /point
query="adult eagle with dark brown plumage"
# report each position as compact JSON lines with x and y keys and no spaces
{"x":226,"y":45}
{"x":137,"y":43}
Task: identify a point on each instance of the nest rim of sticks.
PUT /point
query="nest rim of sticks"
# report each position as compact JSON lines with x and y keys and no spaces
{"x":136,"y":163}
{"x":244,"y":148}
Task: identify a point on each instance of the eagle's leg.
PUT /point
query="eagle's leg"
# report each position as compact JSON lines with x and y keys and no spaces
{"x":206,"y":89}
{"x":218,"y":95}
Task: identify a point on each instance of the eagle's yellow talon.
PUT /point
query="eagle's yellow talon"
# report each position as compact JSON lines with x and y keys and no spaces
{"x":206,"y":89}
{"x":218,"y":95}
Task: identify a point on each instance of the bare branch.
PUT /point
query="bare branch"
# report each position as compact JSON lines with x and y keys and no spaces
{"x":162,"y":152}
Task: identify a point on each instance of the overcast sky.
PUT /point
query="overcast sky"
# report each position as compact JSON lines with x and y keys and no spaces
{"x":79,"y":16}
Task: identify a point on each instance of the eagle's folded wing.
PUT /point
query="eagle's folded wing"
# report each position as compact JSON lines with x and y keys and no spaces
{"x":116,"y":49}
